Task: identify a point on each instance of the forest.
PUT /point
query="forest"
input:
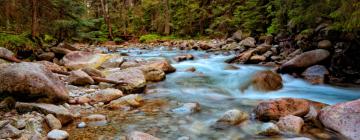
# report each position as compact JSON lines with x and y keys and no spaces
{"x":180,"y":69}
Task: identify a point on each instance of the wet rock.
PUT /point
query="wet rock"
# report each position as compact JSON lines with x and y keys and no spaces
{"x":7,"y":54}
{"x":267,"y":81}
{"x":80,"y":78}
{"x":95,"y":120}
{"x":315,"y":74}
{"x":274,"y":109}
{"x":8,"y":131}
{"x":114,"y":62}
{"x":242,"y":58}
{"x":32,"y":80}
{"x":48,"y":56}
{"x":93,"y":72}
{"x":78,"y":60}
{"x":61,"y":51}
{"x":233,"y":117}
{"x":187,"y":108}
{"x":128,"y":100}
{"x":269,"y":129}
{"x":290,"y":124}
{"x":153,"y":74}
{"x":305,"y":60}
{"x":164,"y":65}
{"x":51,"y":66}
{"x":57,"y":135}
{"x":53,"y":122}
{"x":61,"y":113}
{"x":343,"y":118}
{"x":185,"y":57}
{"x":248,"y":42}
{"x":136,"y":135}
{"x":325,"y":44}
{"x":191,"y":69}
{"x":134,"y":78}
{"x":238,"y":36}
{"x":81,"y":125}
{"x":257,"y":59}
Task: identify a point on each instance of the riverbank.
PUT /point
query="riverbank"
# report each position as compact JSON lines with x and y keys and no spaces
{"x":167,"y":92}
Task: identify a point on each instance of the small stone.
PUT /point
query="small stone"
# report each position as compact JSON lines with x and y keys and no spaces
{"x":95,"y":120}
{"x":80,"y":78}
{"x":136,"y":135}
{"x":81,"y":125}
{"x":234,"y":117}
{"x":269,"y":129}
{"x":57,"y":135}
{"x":53,"y":122}
{"x":290,"y":124}
{"x":187,"y":108}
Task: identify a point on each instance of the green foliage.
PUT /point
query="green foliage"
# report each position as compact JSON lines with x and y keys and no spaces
{"x":149,"y":38}
{"x":15,"y":42}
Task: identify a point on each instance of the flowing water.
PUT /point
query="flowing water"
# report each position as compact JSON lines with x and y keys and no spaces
{"x":217,"y":87}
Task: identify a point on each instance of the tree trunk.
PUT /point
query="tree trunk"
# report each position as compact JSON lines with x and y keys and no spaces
{"x":34,"y":27}
{"x":167,"y":18}
{"x":105,"y":9}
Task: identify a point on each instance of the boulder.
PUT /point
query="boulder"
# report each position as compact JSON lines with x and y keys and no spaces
{"x":68,"y":46}
{"x":290,"y":124}
{"x":262,"y":48}
{"x":343,"y":118}
{"x":242,"y":58}
{"x":153,"y":74}
{"x":60,"y":112}
{"x":257,"y":59}
{"x":52,"y":66}
{"x":7,"y":55}
{"x":32,"y":80}
{"x":233,"y":117}
{"x":60,"y":51}
{"x":48,"y":56}
{"x":184,"y":57}
{"x":79,"y":59}
{"x":133,"y":100}
{"x":238,"y":36}
{"x":93,"y":72}
{"x":305,"y":60}
{"x":325,"y":44}
{"x":129,"y":64}
{"x":134,"y":78}
{"x":315,"y":74}
{"x":136,"y":135}
{"x":8,"y":131}
{"x":267,"y":81}
{"x":164,"y":65}
{"x":274,"y":109}
{"x":114,"y":62}
{"x":57,"y":135}
{"x":105,"y":96}
{"x":95,"y":120}
{"x":269,"y":129}
{"x":248,"y":42}
{"x":53,"y":122}
{"x":78,"y":77}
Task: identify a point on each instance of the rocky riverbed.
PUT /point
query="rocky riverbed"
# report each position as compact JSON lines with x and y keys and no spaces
{"x":174,"y":90}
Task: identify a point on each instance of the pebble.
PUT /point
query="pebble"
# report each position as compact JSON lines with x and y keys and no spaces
{"x":57,"y":135}
{"x":81,"y":125}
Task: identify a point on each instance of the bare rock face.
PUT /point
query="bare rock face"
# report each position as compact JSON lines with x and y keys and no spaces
{"x":267,"y":81}
{"x":134,"y":78}
{"x":274,"y":109}
{"x":80,"y":78}
{"x":343,"y":118}
{"x":32,"y":80}
{"x":315,"y":74}
{"x":78,"y":60}
{"x":305,"y":60}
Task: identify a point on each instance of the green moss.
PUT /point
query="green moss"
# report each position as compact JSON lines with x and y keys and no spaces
{"x":15,"y":42}
{"x":149,"y":38}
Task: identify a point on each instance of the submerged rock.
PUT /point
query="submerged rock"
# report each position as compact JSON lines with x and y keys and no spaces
{"x":274,"y":109}
{"x":233,"y":117}
{"x":343,"y":118}
{"x":305,"y":60}
{"x":187,"y":108}
{"x":136,"y":135}
{"x":61,"y":113}
{"x":33,"y":81}
{"x":134,"y":78}
{"x":78,"y":60}
{"x":267,"y":81}
{"x":290,"y":124}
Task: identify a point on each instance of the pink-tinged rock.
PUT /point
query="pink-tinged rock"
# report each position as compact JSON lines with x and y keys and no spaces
{"x":290,"y":124}
{"x":136,"y":135}
{"x":343,"y":118}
